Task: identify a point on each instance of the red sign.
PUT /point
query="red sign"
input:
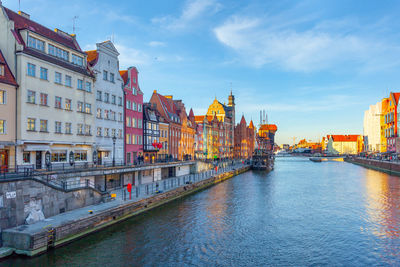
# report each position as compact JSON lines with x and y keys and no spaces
{"x":129,"y":187}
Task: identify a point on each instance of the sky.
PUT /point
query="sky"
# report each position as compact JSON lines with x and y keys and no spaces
{"x":314,"y":66}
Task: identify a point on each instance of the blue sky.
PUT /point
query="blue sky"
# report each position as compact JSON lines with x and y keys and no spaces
{"x":314,"y":66}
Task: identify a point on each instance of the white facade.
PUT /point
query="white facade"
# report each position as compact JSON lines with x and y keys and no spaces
{"x":109,"y":92}
{"x":55,"y":99}
{"x":372,"y":128}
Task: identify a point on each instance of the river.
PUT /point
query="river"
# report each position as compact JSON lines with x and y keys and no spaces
{"x":302,"y":213}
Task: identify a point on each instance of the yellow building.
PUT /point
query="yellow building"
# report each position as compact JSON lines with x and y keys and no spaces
{"x":385,"y":110}
{"x":345,"y":144}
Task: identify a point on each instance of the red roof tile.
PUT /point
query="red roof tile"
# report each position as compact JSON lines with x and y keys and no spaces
{"x":124,"y":75}
{"x":345,"y":138}
{"x":92,"y":57}
{"x":21,"y":23}
{"x":8,"y":77}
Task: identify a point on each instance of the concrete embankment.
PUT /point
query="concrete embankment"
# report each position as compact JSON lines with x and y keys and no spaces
{"x":38,"y":238}
{"x":383,"y":166}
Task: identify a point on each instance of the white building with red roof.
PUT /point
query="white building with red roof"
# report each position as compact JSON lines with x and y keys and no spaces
{"x":55,"y":99}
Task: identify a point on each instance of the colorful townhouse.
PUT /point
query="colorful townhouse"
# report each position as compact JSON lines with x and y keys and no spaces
{"x":383,"y":125}
{"x":345,"y":144}
{"x":166,"y":107}
{"x":109,"y":104}
{"x":244,"y":139}
{"x":133,"y":119}
{"x":151,"y":133}
{"x":55,"y":98}
{"x":186,"y":142}
{"x":8,"y":137}
{"x":391,"y":122}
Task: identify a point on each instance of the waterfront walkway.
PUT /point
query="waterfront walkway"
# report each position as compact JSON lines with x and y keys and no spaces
{"x":141,"y":192}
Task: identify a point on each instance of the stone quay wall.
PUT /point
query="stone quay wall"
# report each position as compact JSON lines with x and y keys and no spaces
{"x":35,"y":243}
{"x":384,"y":166}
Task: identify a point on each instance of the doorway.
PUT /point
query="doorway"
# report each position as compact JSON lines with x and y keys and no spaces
{"x":38,"y":159}
{"x":3,"y":160}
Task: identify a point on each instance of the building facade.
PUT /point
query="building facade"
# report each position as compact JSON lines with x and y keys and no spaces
{"x":109,"y":108}
{"x":391,"y":121}
{"x":151,"y":133}
{"x":372,"y":128}
{"x":244,"y":139}
{"x":8,"y":137}
{"x":345,"y":144}
{"x":133,"y":119}
{"x":55,"y":98}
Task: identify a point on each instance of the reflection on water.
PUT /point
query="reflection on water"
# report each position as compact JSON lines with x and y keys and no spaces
{"x":302,"y":213}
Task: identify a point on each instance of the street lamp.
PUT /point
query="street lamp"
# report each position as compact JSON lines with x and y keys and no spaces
{"x":114,"y":139}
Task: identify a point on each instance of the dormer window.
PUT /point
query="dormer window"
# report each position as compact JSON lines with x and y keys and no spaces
{"x":35,"y":43}
{"x":77,"y":60}
{"x":58,"y":52}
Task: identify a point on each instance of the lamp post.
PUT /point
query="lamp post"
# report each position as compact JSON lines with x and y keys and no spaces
{"x":114,"y":139}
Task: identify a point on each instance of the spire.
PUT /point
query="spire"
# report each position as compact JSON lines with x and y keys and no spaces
{"x":251,"y":125}
{"x":191,"y":113}
{"x":243,"y":120}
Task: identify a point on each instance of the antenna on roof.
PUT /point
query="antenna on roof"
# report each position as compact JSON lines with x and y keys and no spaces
{"x":74,"y":23}
{"x":19,"y":5}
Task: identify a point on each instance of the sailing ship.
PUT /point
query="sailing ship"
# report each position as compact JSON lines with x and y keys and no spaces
{"x":263,"y":157}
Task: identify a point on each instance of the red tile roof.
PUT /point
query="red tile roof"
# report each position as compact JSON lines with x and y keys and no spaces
{"x":8,"y":77}
{"x":21,"y":23}
{"x":345,"y":138}
{"x":124,"y":75}
{"x":251,"y":125}
{"x":243,"y":120}
{"x":92,"y":57}
{"x":268,"y":127}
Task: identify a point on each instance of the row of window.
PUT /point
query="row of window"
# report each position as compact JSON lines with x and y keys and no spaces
{"x":133,"y":106}
{"x":58,"y":156}
{"x":54,"y":51}
{"x":107,"y":132}
{"x":133,"y":122}
{"x":58,"y":78}
{"x":99,"y":97}
{"x":58,"y":102}
{"x":132,"y":139}
{"x":106,"y":76}
{"x":108,"y":115}
{"x":82,"y":129}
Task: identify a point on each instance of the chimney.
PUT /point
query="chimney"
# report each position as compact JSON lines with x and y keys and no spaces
{"x":60,"y":32}
{"x":25,"y":15}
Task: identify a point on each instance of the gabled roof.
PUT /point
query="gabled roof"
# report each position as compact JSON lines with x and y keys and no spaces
{"x":251,"y":125}
{"x":344,"y":138}
{"x":8,"y":77}
{"x":21,"y":23}
{"x":243,"y":120}
{"x":395,"y":97}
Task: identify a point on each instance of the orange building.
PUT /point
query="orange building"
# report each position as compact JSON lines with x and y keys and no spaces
{"x":391,"y":133}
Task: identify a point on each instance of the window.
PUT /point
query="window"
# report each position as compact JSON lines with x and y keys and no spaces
{"x":59,"y":156}
{"x":26,"y":156}
{"x":1,"y":70}
{"x":98,"y":95}
{"x":58,"y":52}
{"x":43,"y":73}
{"x":58,"y":102}
{"x":3,"y":127}
{"x":68,"y":128}
{"x":113,"y":132}
{"x":31,"y":124}
{"x":128,"y":121}
{"x":140,"y":107}
{"x":134,"y":106}
{"x":128,"y":104}
{"x":105,"y":75}
{"x":35,"y":43}
{"x":80,"y":84}
{"x":106,"y":97}
{"x":80,"y":128}
{"x":88,"y":129}
{"x":120,"y":117}
{"x":140,"y":124}
{"x":98,"y":131}
{"x":106,"y":114}
{"x":113,"y":99}
{"x":31,"y":97}
{"x":106,"y":132}
{"x":128,"y":139}
{"x":128,"y":157}
{"x":31,"y":70}
{"x":134,"y":123}
{"x":113,"y":117}
{"x":68,"y":81}
{"x":80,"y":155}
{"x":77,"y":60}
{"x":119,"y":133}
{"x":88,"y":108}
{"x":98,"y":113}
{"x":43,"y":99}
{"x":68,"y":104}
{"x":80,"y":106}
{"x":134,"y":79}
{"x":119,"y":101}
{"x":88,"y":86}
{"x":3,"y":97}
{"x":43,"y":125}
{"x":112,"y":77}
{"x":58,"y":127}
{"x":57,"y":78}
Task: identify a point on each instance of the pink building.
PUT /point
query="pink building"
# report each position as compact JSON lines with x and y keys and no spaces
{"x":133,"y":115}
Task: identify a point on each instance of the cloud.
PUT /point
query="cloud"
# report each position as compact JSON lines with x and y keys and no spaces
{"x":258,"y":43}
{"x":113,"y":16}
{"x":156,"y":44}
{"x":131,"y":57}
{"x":192,"y":11}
